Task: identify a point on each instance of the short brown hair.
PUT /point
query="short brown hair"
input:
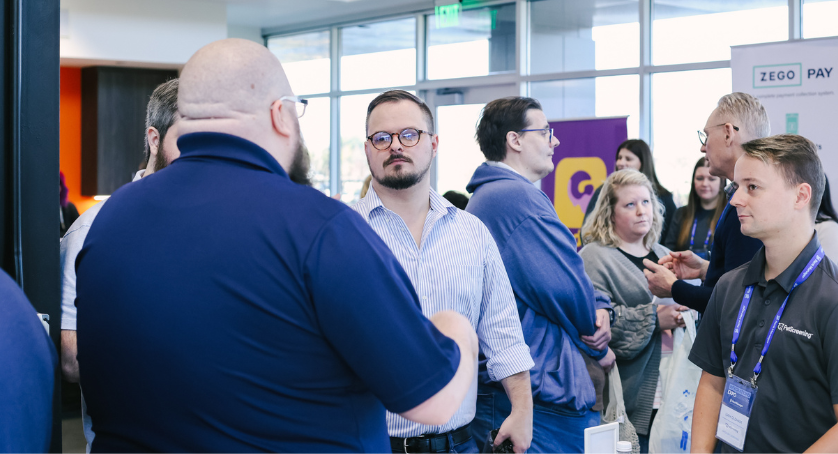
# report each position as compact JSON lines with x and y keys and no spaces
{"x":798,"y":161}
{"x":396,"y":96}
{"x":498,"y":118}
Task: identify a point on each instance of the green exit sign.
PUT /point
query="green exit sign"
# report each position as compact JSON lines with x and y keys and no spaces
{"x":447,"y":16}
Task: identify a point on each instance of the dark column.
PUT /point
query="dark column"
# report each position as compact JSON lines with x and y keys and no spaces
{"x":29,"y":74}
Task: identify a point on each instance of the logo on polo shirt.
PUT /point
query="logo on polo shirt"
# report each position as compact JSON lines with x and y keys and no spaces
{"x":793,"y":330}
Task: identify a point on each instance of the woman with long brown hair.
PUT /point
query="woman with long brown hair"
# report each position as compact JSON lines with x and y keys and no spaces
{"x":694,"y":224}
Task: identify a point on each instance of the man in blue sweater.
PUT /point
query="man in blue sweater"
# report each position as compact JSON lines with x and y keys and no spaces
{"x":738,"y":118}
{"x":566,"y":325}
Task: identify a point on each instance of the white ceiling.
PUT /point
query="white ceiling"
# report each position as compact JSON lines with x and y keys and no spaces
{"x":293,"y":13}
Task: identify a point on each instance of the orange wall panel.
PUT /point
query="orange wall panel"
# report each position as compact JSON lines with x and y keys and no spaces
{"x":70,"y":136}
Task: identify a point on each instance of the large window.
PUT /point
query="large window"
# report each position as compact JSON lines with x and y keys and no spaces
{"x":595,"y":97}
{"x":820,"y":18}
{"x":583,"y":60}
{"x":305,"y":58}
{"x":573,"y":35}
{"x":458,"y":155}
{"x":475,"y":42}
{"x":382,"y":54}
{"x":687,"y":31}
{"x":681,"y":103}
{"x":314,"y":126}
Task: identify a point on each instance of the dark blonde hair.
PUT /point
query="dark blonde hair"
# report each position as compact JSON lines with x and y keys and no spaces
{"x":600,"y":224}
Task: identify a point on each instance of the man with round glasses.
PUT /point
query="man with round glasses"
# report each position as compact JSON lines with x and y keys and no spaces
{"x":453,"y":263}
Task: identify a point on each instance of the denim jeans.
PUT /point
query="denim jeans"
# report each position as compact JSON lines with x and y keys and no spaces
{"x":552,"y":430}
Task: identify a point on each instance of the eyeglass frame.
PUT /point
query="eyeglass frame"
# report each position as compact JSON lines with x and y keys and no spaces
{"x":295,"y":100}
{"x":541,"y":129}
{"x":399,"y":137}
{"x":701,"y":133}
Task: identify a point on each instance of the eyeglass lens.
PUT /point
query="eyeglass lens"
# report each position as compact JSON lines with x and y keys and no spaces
{"x":702,"y":137}
{"x":408,"y":137}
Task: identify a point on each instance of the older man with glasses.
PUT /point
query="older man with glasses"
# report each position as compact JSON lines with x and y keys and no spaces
{"x":738,"y":118}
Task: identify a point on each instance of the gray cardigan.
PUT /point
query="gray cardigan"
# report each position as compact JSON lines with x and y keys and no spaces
{"x":635,"y":335}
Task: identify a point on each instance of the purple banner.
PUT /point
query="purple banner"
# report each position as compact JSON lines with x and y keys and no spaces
{"x":584,"y":158}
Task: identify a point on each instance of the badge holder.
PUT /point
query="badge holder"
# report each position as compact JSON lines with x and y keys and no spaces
{"x":737,"y":403}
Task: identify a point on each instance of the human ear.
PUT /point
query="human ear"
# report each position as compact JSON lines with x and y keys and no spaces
{"x":513,"y":140}
{"x":282,"y":118}
{"x":804,"y":196}
{"x":152,"y":135}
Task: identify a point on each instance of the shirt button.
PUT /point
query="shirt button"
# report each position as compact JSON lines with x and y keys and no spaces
{"x":767,"y":302}
{"x":761,"y":323}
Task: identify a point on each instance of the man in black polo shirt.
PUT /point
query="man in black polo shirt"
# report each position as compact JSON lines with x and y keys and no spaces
{"x":777,"y":389}
{"x":738,"y":118}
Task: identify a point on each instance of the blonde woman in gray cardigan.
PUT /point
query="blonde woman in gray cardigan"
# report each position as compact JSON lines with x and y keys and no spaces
{"x":622,"y":231}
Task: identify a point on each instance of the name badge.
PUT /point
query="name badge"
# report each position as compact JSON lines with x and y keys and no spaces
{"x":737,"y":403}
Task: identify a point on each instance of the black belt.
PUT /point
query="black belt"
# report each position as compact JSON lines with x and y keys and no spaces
{"x":430,"y":442}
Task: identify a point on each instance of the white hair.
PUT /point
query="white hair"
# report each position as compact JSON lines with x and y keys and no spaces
{"x":746,"y":112}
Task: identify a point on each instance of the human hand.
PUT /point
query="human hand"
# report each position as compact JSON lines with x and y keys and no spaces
{"x":602,"y":336}
{"x":457,"y":327}
{"x":660,"y":279}
{"x":669,"y":316}
{"x":517,"y":427}
{"x":686,"y":265}
{"x":607,"y":361}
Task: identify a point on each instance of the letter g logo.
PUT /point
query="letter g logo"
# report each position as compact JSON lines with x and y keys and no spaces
{"x":576,"y":181}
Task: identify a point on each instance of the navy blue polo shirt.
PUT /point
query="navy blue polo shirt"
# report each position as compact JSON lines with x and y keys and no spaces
{"x":222,"y":307}
{"x":27,"y":375}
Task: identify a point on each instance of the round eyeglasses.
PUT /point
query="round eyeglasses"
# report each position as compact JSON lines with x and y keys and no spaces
{"x":408,"y":137}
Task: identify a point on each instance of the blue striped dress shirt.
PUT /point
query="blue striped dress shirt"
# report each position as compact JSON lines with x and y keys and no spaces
{"x":457,"y":267}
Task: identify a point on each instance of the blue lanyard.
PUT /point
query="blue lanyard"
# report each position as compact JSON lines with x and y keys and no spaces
{"x":813,"y":263}
{"x":692,"y":235}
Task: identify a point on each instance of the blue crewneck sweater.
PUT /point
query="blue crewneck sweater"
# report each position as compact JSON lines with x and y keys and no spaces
{"x":556,"y":299}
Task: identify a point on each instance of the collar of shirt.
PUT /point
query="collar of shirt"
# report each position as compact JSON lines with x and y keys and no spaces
{"x":228,"y":147}
{"x":138,"y":175}
{"x":755,"y":275}
{"x":372,"y":203}
{"x":502,"y":165}
{"x":729,"y":190}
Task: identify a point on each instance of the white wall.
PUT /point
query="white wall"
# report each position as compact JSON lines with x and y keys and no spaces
{"x":157,"y":32}
{"x":243,"y":31}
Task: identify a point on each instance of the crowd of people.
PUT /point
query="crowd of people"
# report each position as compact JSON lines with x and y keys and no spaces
{"x":218,"y":303}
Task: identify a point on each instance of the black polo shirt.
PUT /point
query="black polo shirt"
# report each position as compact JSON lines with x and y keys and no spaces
{"x":799,"y":380}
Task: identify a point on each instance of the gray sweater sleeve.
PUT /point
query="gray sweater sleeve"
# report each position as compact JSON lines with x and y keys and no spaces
{"x":635,"y":324}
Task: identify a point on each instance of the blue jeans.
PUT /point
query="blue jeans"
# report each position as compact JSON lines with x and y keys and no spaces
{"x":552,"y":431}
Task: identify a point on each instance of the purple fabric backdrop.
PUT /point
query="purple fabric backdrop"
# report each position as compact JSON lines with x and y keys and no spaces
{"x":584,"y":158}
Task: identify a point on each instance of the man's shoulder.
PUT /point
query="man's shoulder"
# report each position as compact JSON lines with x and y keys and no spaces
{"x":733,"y":279}
{"x":86,"y":218}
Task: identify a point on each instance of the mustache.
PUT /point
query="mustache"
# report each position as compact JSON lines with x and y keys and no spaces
{"x":394,"y":157}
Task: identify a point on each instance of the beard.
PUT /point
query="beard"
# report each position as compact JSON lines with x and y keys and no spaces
{"x":401,"y":180}
{"x":160,"y":161}
{"x":298,"y":173}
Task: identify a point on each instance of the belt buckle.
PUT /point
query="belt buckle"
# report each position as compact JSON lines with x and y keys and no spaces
{"x":405,"y":445}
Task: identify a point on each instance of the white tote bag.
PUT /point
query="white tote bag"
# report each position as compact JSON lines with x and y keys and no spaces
{"x":615,"y":410}
{"x":672,"y":427}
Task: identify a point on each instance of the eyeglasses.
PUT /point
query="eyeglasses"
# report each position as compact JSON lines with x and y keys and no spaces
{"x":702,"y":136}
{"x":550,"y":139}
{"x":299,"y":103}
{"x":408,"y":137}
